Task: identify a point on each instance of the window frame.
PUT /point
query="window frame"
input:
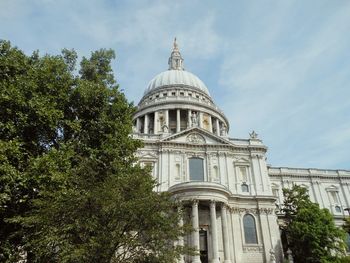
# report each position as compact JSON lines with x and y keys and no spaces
{"x":256,"y":238}
{"x":189,"y":168}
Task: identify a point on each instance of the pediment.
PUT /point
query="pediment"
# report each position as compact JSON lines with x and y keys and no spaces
{"x":196,"y":135}
{"x":147,"y":155}
{"x":240,"y":159}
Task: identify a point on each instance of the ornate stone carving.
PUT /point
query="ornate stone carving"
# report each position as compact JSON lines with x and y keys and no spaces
{"x":272,"y":256}
{"x":223,"y":130}
{"x":165,"y":128}
{"x":267,"y":211}
{"x":258,"y":249}
{"x":195,"y":138}
{"x":253,"y":135}
{"x":194,"y":119}
{"x":238,"y":210}
{"x":255,"y":211}
{"x":239,"y":159}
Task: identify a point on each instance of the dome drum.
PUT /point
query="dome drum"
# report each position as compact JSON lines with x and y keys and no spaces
{"x":174,"y":120}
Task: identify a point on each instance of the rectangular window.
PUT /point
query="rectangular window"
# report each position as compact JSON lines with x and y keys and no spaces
{"x":196,"y":169}
{"x":177,"y":172}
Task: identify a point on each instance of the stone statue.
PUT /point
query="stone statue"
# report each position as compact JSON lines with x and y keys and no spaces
{"x":223,"y":130}
{"x":165,"y":128}
{"x":150,"y":128}
{"x":194,"y":119}
{"x":253,"y":135}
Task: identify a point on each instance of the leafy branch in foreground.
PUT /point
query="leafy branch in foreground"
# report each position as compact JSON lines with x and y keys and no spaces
{"x":69,"y":187}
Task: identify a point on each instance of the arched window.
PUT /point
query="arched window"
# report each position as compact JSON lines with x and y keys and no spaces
{"x":337,"y":209}
{"x":245,"y":188}
{"x":249,"y":230}
{"x":196,"y":169}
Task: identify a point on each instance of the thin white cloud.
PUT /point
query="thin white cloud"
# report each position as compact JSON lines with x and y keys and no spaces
{"x":280,"y":68}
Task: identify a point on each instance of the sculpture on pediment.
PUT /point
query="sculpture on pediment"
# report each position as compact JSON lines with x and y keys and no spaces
{"x":195,"y":138}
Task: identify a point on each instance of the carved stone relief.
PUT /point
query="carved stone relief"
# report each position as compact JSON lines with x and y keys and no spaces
{"x":258,"y":249}
{"x":195,"y":138}
{"x":254,"y":211}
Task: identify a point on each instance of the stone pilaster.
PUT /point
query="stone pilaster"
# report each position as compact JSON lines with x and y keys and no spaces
{"x":214,"y":233}
{"x":195,"y":234}
{"x":225,"y":234}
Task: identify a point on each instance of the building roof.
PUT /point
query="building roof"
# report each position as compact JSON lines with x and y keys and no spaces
{"x":176,"y":75}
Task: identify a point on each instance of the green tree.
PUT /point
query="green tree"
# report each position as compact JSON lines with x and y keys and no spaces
{"x":311,"y":233}
{"x":70,"y":189}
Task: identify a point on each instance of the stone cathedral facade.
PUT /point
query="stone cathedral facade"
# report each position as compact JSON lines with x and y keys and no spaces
{"x":231,"y":196}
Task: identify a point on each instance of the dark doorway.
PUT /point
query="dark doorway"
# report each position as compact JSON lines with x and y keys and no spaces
{"x":203,"y":245}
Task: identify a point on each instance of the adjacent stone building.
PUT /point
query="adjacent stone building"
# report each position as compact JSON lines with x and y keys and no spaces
{"x":231,"y":196}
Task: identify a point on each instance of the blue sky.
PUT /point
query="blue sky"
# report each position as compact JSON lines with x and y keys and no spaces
{"x":281,"y":68}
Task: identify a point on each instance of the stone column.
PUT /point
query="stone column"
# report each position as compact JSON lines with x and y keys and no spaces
{"x":138,"y":125}
{"x":181,"y":238}
{"x":230,"y":230}
{"x":225,"y":234}
{"x":145,"y":127}
{"x":200,"y":119}
{"x":167,"y":118}
{"x":214,"y":233}
{"x":210,"y":124}
{"x":178,"y":127}
{"x":189,"y":122}
{"x":195,"y":234}
{"x":155,"y":124}
{"x":217,"y":127}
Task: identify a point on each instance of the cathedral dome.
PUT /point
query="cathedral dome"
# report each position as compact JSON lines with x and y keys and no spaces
{"x":175,"y":77}
{"x":176,"y":100}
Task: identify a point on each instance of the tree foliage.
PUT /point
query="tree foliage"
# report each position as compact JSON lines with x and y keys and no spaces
{"x":70,"y":190}
{"x":311,"y":233}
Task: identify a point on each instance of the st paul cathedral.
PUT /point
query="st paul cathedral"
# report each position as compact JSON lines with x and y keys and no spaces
{"x":231,"y":196}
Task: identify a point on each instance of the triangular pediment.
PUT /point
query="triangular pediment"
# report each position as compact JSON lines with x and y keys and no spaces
{"x":240,"y":159}
{"x":196,"y":135}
